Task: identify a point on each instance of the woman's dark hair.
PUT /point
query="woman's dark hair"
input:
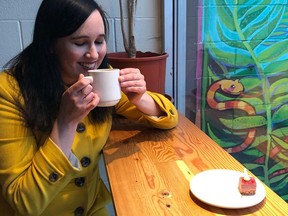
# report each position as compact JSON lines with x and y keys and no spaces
{"x":36,"y":68}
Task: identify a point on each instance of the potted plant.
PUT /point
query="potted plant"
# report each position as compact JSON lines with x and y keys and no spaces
{"x":152,"y":65}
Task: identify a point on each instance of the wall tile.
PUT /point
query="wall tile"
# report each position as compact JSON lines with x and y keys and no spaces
{"x":27,"y":28}
{"x":10,"y":43}
{"x":19,"y":9}
{"x":147,"y":35}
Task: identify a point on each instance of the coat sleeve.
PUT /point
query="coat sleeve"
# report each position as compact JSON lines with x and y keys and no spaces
{"x":167,"y":121}
{"x":29,"y":176}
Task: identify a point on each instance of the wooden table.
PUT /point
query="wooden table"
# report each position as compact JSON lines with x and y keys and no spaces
{"x":149,"y":171}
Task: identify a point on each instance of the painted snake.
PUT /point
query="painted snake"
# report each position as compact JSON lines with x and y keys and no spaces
{"x":232,"y":87}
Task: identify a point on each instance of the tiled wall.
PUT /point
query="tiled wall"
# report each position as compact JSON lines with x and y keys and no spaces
{"x":16,"y":25}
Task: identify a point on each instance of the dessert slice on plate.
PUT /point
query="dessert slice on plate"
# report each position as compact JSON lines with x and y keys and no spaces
{"x":247,"y":184}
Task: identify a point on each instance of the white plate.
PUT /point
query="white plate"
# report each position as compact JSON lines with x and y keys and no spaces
{"x":219,"y":188}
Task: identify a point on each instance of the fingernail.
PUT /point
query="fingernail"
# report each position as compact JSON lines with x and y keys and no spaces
{"x":89,"y":78}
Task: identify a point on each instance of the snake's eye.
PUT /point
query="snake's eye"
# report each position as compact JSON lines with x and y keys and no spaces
{"x":232,"y":86}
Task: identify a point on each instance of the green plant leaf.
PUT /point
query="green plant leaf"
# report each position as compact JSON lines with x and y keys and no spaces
{"x":274,"y":52}
{"x":245,"y":122}
{"x":281,"y":114}
{"x":276,"y":67}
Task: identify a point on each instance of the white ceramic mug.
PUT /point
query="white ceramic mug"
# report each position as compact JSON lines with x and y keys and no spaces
{"x":106,"y":85}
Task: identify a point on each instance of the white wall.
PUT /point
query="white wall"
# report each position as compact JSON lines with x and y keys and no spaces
{"x":148,"y":26}
{"x":17,"y":20}
{"x":16,"y":24}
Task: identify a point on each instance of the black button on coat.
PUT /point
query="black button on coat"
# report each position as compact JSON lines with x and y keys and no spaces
{"x":85,"y":161}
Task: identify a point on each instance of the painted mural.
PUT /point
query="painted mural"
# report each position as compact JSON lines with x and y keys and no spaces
{"x":243,"y":97}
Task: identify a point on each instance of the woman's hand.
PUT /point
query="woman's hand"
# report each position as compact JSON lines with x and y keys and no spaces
{"x":77,"y":101}
{"x":132,"y":83}
{"x":134,"y":86}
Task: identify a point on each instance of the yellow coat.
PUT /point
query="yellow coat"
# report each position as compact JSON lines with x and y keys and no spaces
{"x":43,"y":181}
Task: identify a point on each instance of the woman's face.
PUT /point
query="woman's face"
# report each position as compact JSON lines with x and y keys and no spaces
{"x":83,"y":50}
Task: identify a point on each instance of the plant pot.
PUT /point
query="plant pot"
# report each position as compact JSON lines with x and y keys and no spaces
{"x":151,"y":65}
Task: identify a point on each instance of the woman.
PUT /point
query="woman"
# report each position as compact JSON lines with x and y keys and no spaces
{"x":51,"y":130}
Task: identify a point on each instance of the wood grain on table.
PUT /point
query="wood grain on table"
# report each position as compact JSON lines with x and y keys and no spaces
{"x":149,"y":171}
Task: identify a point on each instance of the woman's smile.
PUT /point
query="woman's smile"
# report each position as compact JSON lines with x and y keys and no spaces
{"x":88,"y":66}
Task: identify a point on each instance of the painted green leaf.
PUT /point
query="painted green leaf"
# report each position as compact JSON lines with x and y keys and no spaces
{"x":274,"y":52}
{"x":244,"y":122}
{"x":279,"y":87}
{"x":225,"y":16}
{"x":276,"y":67}
{"x":279,"y":179}
{"x":281,"y":114}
